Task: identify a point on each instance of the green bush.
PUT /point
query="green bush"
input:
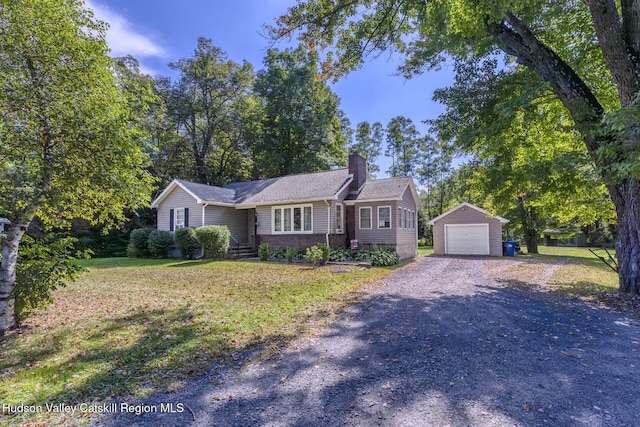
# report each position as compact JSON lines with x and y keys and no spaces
{"x":187,"y":242}
{"x":139,"y":243}
{"x":326,"y":251}
{"x":384,"y":258}
{"x":159,"y":243}
{"x":214,"y":240}
{"x":379,"y":257}
{"x":313,"y":255}
{"x":290,"y":254}
{"x":264,"y":251}
{"x":363,"y":255}
{"x":43,"y":266}
{"x":342,"y":254}
{"x":279,"y":253}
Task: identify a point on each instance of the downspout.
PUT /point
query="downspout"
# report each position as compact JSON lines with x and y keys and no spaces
{"x":328,"y":221}
{"x":204,"y":205}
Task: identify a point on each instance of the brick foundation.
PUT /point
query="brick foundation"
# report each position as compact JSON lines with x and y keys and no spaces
{"x":302,"y":241}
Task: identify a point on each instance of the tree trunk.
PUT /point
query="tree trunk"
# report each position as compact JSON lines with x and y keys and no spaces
{"x":626,"y":198}
{"x":531,"y":240}
{"x":8,"y":276}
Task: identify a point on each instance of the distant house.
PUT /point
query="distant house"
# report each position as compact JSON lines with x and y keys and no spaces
{"x":467,"y":230}
{"x":334,"y":207}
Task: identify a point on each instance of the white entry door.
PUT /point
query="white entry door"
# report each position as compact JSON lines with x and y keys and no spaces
{"x":466,"y":239}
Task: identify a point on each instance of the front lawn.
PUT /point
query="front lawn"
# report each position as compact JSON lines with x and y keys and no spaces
{"x":128,"y":328}
{"x":581,"y":275}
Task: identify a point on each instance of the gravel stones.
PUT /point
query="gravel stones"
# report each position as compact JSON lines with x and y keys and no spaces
{"x":441,"y":342}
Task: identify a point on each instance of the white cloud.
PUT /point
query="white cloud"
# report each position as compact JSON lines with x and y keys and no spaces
{"x":122,"y":38}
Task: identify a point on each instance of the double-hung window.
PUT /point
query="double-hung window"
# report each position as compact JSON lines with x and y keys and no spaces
{"x":292,"y":219}
{"x":339,"y":219}
{"x":179,"y":218}
{"x":384,"y":216}
{"x":365,"y":218}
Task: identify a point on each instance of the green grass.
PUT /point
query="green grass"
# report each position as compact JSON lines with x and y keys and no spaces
{"x":581,"y":273}
{"x":573,"y":253}
{"x":425,"y":250}
{"x":130,"y":327}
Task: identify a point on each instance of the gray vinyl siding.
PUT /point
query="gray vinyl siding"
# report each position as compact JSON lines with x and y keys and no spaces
{"x":178,"y":198}
{"x":319,"y":217}
{"x":468,"y":216}
{"x":375,"y":235}
{"x":407,"y":238}
{"x":264,"y":219}
{"x":251,"y":228}
{"x":235,"y":219}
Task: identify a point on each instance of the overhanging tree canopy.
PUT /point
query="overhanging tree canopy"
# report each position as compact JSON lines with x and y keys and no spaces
{"x":587,"y":52}
{"x":70,"y":144}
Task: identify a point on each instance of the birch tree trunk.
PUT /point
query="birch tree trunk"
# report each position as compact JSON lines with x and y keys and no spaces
{"x":8,"y":276}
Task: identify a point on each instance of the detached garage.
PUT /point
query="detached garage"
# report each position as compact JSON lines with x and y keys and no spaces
{"x":467,"y":230}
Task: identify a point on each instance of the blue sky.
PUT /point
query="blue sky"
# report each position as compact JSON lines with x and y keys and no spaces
{"x":159,"y":32}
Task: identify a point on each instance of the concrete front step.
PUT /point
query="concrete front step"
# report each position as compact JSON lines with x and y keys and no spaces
{"x":243,"y":251}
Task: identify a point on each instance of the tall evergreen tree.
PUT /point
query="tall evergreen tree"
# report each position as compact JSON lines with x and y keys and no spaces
{"x":403,"y":146}
{"x":368,"y":142}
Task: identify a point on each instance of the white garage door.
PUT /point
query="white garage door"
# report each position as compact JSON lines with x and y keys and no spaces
{"x":468,"y":239}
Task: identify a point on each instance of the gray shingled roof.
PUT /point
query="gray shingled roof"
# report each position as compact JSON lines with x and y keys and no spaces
{"x":308,"y":186}
{"x":209,"y":193}
{"x":297,"y":188}
{"x":383,"y":189}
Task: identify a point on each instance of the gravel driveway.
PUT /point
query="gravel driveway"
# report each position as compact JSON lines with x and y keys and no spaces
{"x":442,"y":342}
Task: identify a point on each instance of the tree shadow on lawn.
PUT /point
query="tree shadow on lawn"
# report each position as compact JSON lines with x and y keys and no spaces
{"x":502,"y":356}
{"x":110,"y":363}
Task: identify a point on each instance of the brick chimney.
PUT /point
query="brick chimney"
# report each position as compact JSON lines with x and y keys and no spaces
{"x":357,"y":167}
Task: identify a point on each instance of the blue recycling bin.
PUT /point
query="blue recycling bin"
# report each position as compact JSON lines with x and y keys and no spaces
{"x":509,"y":248}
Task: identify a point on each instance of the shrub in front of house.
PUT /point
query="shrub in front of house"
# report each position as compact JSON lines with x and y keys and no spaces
{"x":139,"y":243}
{"x":384,"y":258}
{"x":342,"y":254}
{"x":187,"y":242}
{"x":264,"y":251}
{"x":290,"y":254}
{"x":379,"y":257}
{"x":325,"y":250}
{"x":159,"y":243}
{"x":279,"y":253}
{"x":313,"y":255}
{"x":214,"y":240}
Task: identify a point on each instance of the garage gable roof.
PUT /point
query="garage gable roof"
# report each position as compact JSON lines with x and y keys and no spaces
{"x":468,"y":205}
